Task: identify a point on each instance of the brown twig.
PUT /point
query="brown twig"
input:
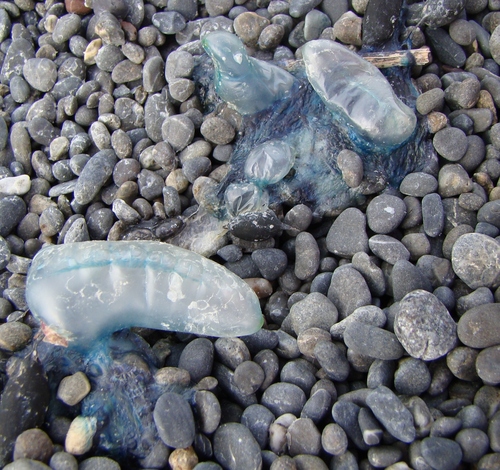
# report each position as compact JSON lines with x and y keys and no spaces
{"x":383,"y":60}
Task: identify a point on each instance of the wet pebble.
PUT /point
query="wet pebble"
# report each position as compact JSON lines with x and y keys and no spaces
{"x":424,"y":326}
{"x":33,"y":444}
{"x":236,"y":448}
{"x":476,"y":260}
{"x":385,"y":213}
{"x":441,"y":453}
{"x":283,"y":397}
{"x":174,"y":420}
{"x":391,"y":412}
{"x":347,"y":235}
{"x":41,"y":74}
{"x":73,"y":388}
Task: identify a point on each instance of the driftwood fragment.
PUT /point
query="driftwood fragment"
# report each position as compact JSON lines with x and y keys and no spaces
{"x":383,"y":60}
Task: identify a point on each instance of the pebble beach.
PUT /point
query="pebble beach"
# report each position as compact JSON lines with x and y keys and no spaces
{"x":381,"y":339}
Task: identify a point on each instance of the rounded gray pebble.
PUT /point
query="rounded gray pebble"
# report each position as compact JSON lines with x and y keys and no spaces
{"x":12,"y":211}
{"x":412,"y":377}
{"x":174,"y":420}
{"x":41,"y":74}
{"x":347,"y":235}
{"x":236,"y":448}
{"x":258,"y":419}
{"x":451,"y":143}
{"x":391,"y":413}
{"x":283,"y":398}
{"x":197,"y":358}
{"x":388,"y":248}
{"x":441,"y":453}
{"x":476,"y":260}
{"x":424,"y":326}
{"x":372,"y":341}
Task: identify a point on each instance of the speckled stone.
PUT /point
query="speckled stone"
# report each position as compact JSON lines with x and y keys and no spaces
{"x":424,"y":326}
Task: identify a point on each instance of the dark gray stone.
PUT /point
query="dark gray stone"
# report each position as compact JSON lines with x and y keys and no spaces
{"x":441,"y":453}
{"x":347,"y":235}
{"x":95,"y":173}
{"x":283,"y":397}
{"x":174,"y":420}
{"x":12,"y":210}
{"x":391,"y":413}
{"x":372,"y":341}
{"x":236,"y":448}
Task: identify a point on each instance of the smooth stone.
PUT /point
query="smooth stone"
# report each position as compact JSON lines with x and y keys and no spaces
{"x":418,"y":184}
{"x":348,"y":290}
{"x":283,"y":397}
{"x":333,"y":361}
{"x":424,"y":326}
{"x":479,"y":326}
{"x":33,"y":444}
{"x":432,"y":214}
{"x":476,"y":260}
{"x":174,"y":420}
{"x":236,"y":448}
{"x":388,"y":249}
{"x":334,"y":439}
{"x":258,"y":419}
{"x":345,"y":414}
{"x":15,"y":185}
{"x":347,"y":235}
{"x":372,"y":341}
{"x":12,"y":210}
{"x":384,"y":213}
{"x":412,"y":377}
{"x":41,"y":74}
{"x":95,"y":173}
{"x":73,"y":388}
{"x":271,"y":262}
{"x":317,"y":406}
{"x":487,"y":365}
{"x":369,"y":314}
{"x":441,"y":453}
{"x":14,"y":336}
{"x":316,"y":310}
{"x":391,"y":413}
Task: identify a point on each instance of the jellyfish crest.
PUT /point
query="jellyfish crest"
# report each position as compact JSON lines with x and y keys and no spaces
{"x":358,"y":94}
{"x":246,"y":84}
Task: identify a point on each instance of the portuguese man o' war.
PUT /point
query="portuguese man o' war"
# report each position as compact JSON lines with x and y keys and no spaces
{"x":297,"y":117}
{"x":86,"y":295}
{"x":83,"y":292}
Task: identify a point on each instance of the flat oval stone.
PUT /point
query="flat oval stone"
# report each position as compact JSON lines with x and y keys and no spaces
{"x":476,"y":260}
{"x":441,"y":453}
{"x":283,"y":397}
{"x":236,"y":448}
{"x":487,"y":365}
{"x":174,"y":420}
{"x":391,"y":412}
{"x":424,"y":326}
{"x":372,"y":341}
{"x":479,"y":327}
{"x":41,"y":74}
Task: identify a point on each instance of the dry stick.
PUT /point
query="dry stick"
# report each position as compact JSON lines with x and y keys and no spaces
{"x":383,"y":60}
